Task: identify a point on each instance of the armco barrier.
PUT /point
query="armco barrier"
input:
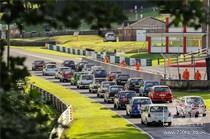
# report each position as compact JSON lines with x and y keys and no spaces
{"x":133,"y":73}
{"x":66,"y":116}
{"x":188,"y":84}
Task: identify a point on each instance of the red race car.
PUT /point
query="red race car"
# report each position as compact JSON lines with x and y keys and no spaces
{"x":160,"y":93}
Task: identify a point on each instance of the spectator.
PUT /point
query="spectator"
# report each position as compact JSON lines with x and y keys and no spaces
{"x":186,"y":75}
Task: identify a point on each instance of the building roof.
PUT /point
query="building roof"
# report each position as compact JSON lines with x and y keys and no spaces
{"x":146,"y":23}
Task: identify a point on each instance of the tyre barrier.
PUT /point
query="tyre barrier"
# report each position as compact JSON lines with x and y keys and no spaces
{"x":66,"y":116}
{"x":99,"y":56}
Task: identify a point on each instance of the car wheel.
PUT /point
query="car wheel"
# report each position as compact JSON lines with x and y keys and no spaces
{"x":97,"y":95}
{"x":170,"y":101}
{"x":77,"y":87}
{"x":169,"y":123}
{"x":127,"y":113}
{"x":148,"y":123}
{"x":89,"y":91}
{"x":196,"y":115}
{"x":115,"y":106}
{"x":142,"y":122}
{"x":204,"y":115}
{"x":177,"y":113}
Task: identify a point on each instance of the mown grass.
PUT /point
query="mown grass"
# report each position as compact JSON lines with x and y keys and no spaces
{"x":42,"y":50}
{"x":94,"y":42}
{"x":204,"y":94}
{"x":145,"y":55}
{"x":91,"y":120}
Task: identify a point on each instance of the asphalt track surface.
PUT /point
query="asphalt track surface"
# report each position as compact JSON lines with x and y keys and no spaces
{"x":182,"y":128}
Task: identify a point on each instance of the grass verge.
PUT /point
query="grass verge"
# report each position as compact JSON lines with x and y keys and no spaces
{"x":91,"y":120}
{"x":41,"y":50}
{"x":204,"y":94}
{"x":143,"y":55}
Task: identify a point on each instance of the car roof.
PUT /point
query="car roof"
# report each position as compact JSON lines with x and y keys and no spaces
{"x":140,"y":98}
{"x":161,"y":86}
{"x":150,"y":105}
{"x":50,"y":64}
{"x":136,"y":78}
{"x":107,"y":82}
{"x":150,"y":81}
{"x":64,"y":67}
{"x":116,"y":86}
{"x":191,"y":96}
{"x":126,"y":91}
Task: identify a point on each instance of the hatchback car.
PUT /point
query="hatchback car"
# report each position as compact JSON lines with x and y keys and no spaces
{"x":122,"y":98}
{"x":69,"y":63}
{"x":144,"y":89}
{"x":156,"y":113}
{"x":80,"y":66}
{"x":93,"y":88}
{"x":59,"y":72}
{"x":135,"y":105}
{"x":134,"y":84}
{"x":104,"y":86}
{"x":110,"y":93}
{"x":49,"y":70}
{"x":110,"y":36}
{"x":100,"y":73}
{"x":121,"y":79}
{"x":38,"y":65}
{"x":87,"y":67}
{"x":190,"y":105}
{"x":85,"y":80}
{"x":76,"y":76}
{"x":160,"y":93}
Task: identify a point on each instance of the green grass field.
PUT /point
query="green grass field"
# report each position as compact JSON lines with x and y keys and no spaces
{"x":204,"y":94}
{"x":93,"y":42}
{"x":143,"y":55}
{"x":41,"y":50}
{"x":91,"y":120}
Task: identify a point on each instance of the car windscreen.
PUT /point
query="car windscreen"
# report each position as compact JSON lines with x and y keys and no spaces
{"x":123,"y":77}
{"x":194,"y":100}
{"x":87,"y":77}
{"x":88,"y":66}
{"x":130,"y":95}
{"x":141,"y":101}
{"x":39,"y":62}
{"x":136,"y":81}
{"x":51,"y":66}
{"x":158,"y":109}
{"x":69,"y":62}
{"x":116,"y":89}
{"x":65,"y":69}
{"x":161,"y":89}
{"x":107,"y":84}
{"x":100,"y":73}
{"x":151,"y":84}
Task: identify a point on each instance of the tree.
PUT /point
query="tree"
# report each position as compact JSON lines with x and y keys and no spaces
{"x":21,"y":116}
{"x":193,"y":13}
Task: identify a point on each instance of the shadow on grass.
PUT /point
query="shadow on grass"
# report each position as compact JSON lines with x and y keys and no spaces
{"x":118,"y":133}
